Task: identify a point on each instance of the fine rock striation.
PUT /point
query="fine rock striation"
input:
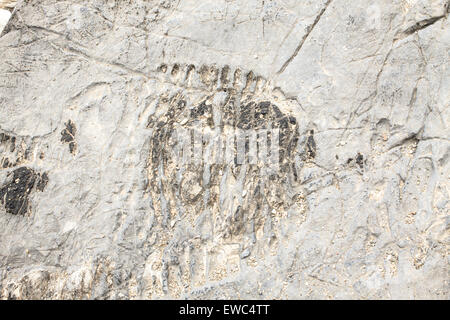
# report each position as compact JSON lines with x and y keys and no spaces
{"x":128,"y":167}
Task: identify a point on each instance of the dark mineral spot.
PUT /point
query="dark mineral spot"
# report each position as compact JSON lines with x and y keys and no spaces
{"x":72,"y":147}
{"x":42,"y":181}
{"x":224,"y":75}
{"x":360,"y":160}
{"x":6,"y":163}
{"x":13,"y":144}
{"x":4,"y":137}
{"x":201,"y":110}
{"x":14,"y":195}
{"x":162,"y":68}
{"x":68,"y":135}
{"x":311,"y":145}
{"x":175,"y":69}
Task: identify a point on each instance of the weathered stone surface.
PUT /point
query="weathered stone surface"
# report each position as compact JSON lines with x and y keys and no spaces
{"x":96,"y":204}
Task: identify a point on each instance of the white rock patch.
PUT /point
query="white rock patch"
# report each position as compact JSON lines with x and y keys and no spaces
{"x":4,"y":18}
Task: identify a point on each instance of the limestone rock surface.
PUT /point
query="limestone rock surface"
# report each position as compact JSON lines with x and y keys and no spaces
{"x":95,"y":203}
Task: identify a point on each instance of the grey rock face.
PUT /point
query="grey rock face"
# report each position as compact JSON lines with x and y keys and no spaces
{"x":96,"y":97}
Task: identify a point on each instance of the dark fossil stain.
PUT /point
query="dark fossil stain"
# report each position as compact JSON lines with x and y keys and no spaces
{"x":201,"y":110}
{"x":311,"y":145}
{"x":4,"y":137}
{"x":360,"y":160}
{"x":68,"y":136}
{"x":248,"y":116}
{"x":42,"y":182}
{"x":234,"y":103}
{"x":14,"y":195}
{"x":6,"y":163}
{"x":13,"y":144}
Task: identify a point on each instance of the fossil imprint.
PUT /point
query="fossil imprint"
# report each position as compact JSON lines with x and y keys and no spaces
{"x":217,"y":103}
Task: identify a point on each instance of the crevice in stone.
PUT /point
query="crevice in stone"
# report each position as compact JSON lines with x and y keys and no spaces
{"x":423,"y":24}
{"x":309,"y":30}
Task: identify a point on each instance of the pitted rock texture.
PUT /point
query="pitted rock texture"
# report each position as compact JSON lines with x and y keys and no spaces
{"x":95,"y":204}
